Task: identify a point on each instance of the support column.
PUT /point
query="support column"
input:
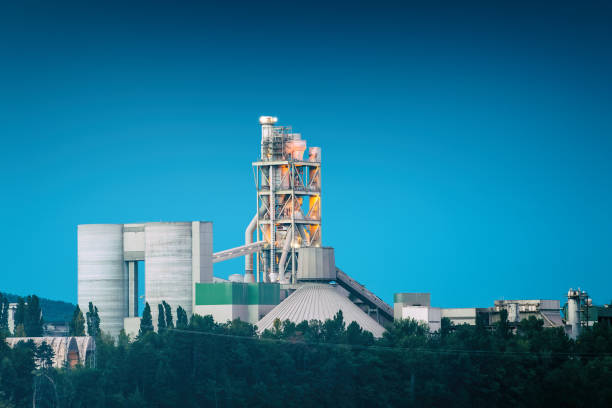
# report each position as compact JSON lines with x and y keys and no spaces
{"x":132,"y":288}
{"x":273,"y":186}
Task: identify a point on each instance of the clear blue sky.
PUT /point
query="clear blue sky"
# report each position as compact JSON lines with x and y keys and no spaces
{"x":466,"y":149}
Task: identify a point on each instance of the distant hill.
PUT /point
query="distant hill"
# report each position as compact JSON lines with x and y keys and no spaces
{"x":52,"y":310}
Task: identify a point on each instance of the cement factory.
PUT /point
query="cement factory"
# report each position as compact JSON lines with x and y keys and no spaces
{"x":288,"y":272}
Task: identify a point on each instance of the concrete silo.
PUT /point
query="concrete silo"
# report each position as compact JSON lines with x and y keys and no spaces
{"x":176,"y":256}
{"x":102,"y":273}
{"x":168,"y":265}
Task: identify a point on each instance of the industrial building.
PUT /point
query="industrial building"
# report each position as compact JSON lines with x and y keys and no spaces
{"x":580,"y":312}
{"x":236,"y":300}
{"x":418,"y":306}
{"x":286,"y":264}
{"x":577,"y":313}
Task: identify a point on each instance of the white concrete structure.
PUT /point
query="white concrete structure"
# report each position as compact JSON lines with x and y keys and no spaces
{"x":428,"y":315}
{"x":225,"y":301}
{"x":574,"y":301}
{"x":131,"y":325}
{"x":224,"y":313}
{"x":176,"y":255}
{"x":11,"y":317}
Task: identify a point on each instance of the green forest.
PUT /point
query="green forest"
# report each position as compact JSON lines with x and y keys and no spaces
{"x":203,"y":363}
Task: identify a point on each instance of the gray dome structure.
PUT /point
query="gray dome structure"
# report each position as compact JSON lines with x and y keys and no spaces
{"x":319,"y":302}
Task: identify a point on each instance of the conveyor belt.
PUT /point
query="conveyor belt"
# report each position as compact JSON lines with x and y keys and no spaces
{"x":364,"y":294}
{"x":238,"y":251}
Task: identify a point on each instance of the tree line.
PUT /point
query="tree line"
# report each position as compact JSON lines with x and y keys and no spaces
{"x":198,"y":362}
{"x":28,"y":319}
{"x":77,"y":326}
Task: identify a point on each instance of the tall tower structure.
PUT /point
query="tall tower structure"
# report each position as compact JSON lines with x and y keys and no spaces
{"x":288,"y":213}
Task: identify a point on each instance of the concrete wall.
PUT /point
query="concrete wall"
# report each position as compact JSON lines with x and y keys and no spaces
{"x":225,"y":301}
{"x":419,"y":313}
{"x":133,"y":242}
{"x":435,"y":318}
{"x":428,"y":315}
{"x":202,"y":250}
{"x":400,"y":300}
{"x":168,"y":266}
{"x":223,"y":313}
{"x":462,"y":315}
{"x":131,"y":326}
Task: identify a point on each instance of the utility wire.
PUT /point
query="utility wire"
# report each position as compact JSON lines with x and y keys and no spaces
{"x":399,"y":349}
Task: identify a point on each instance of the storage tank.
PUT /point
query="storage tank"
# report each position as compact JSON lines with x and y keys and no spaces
{"x":168,"y":266}
{"x":316,"y":264}
{"x":573,"y":312}
{"x":102,"y":276}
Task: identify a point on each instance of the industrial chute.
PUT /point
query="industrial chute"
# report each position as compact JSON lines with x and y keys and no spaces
{"x":283,"y":258}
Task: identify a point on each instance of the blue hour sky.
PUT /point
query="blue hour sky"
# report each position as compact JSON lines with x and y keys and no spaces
{"x":466,"y":147}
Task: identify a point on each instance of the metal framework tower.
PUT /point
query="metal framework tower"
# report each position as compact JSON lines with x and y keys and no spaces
{"x":288,"y":201}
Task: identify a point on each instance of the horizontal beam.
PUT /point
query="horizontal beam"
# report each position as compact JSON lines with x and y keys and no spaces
{"x":286,"y":162}
{"x":297,"y":192}
{"x":288,"y":221}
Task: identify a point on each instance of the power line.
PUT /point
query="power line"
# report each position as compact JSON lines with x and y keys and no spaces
{"x":399,"y":349}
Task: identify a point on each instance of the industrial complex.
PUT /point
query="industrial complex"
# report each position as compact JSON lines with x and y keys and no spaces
{"x":288,"y":274}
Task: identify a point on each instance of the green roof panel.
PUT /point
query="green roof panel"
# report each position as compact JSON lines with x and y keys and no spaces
{"x":237,"y":293}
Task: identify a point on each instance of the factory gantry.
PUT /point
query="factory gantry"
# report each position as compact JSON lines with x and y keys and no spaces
{"x":288,"y":202}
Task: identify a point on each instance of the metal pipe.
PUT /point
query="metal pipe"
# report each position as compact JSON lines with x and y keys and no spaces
{"x":248,"y":239}
{"x":273,"y":187}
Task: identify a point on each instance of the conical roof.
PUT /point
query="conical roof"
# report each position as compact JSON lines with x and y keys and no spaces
{"x":319,"y":302}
